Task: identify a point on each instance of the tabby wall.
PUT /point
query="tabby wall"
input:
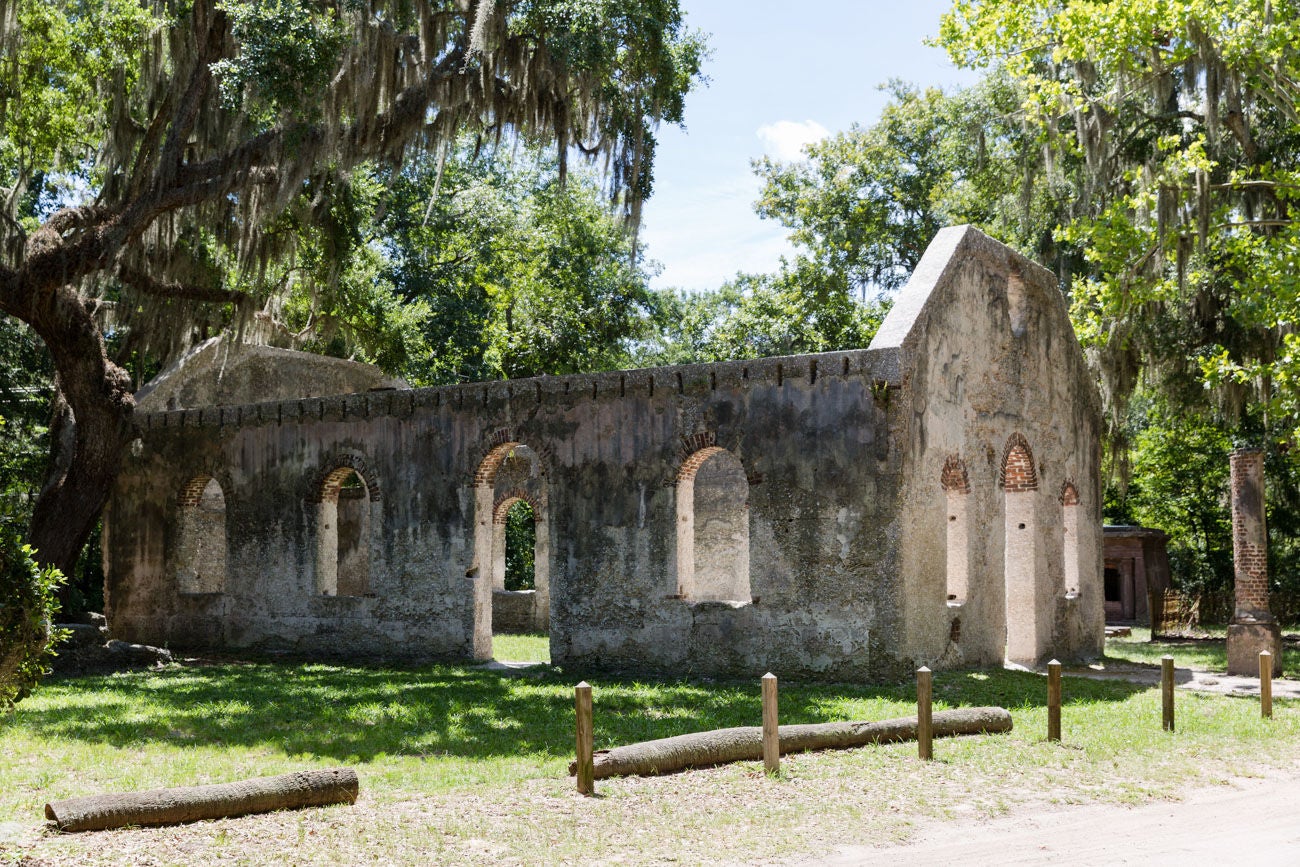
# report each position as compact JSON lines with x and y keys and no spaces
{"x":780,"y":514}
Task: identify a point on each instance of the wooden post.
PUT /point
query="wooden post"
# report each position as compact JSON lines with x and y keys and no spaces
{"x":1265,"y":684}
{"x":924,"y":730}
{"x":1167,"y":692}
{"x":586,"y":759}
{"x":1053,"y":700}
{"x":771,"y":733}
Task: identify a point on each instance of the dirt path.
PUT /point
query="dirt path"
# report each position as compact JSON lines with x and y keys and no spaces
{"x":1249,"y":821}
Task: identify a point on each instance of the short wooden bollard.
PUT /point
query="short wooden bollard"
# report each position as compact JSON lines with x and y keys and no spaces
{"x":1167,"y":692}
{"x":924,"y":722}
{"x":586,"y":758}
{"x":771,"y":733}
{"x":1053,"y":700}
{"x":1265,"y":684}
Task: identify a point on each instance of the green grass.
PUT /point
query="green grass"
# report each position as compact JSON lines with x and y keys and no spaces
{"x":1209,"y":654}
{"x":521,"y":648}
{"x":467,"y":765}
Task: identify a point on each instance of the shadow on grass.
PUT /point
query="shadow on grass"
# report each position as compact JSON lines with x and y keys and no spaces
{"x":359,"y":713}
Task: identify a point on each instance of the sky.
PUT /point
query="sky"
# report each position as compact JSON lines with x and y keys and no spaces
{"x":781,"y":74}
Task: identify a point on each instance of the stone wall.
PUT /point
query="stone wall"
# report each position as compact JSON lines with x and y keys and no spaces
{"x":784,"y":513}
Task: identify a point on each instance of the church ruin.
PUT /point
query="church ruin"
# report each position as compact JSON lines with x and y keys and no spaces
{"x":934,"y":498}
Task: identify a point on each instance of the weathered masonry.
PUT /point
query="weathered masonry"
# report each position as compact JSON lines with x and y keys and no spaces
{"x":932,"y":499}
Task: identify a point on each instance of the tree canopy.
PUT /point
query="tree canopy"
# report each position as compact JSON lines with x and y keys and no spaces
{"x":169,"y":168}
{"x":1182,"y":117}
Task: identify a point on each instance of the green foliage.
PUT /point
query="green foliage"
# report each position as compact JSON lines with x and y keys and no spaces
{"x":521,"y":542}
{"x":62,"y":62}
{"x":288,"y":52}
{"x":336,"y":295}
{"x":28,"y":602}
{"x":521,"y":274}
{"x":1180,"y":485}
{"x":755,"y":316}
{"x":25,"y":389}
{"x":864,"y":204}
{"x":1181,"y":115}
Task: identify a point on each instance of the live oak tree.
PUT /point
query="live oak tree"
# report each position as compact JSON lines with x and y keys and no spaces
{"x":1184,"y":117}
{"x":170,"y":143}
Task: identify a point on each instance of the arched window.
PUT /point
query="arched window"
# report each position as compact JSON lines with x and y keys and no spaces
{"x":713,"y":527}
{"x":956,"y":486}
{"x":201,"y":548}
{"x":1070,"y":545}
{"x":1020,"y":552}
{"x":343,"y":535}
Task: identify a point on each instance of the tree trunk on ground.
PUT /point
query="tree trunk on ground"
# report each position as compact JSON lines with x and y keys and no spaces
{"x":701,"y":749}
{"x":191,"y":803}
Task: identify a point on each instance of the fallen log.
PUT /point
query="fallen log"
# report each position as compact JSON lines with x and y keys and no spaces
{"x":190,"y":803}
{"x":701,"y":749}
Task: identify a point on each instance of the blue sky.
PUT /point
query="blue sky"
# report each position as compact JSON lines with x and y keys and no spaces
{"x":781,"y":74}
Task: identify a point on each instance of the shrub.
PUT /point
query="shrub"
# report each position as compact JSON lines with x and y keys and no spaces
{"x":28,"y":603}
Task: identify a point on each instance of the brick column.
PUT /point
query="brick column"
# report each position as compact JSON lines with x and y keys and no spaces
{"x":1253,"y":627}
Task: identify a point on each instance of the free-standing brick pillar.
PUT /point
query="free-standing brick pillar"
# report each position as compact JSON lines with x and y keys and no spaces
{"x":1252,"y":628}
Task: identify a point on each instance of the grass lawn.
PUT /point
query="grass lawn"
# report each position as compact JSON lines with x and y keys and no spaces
{"x":459,"y":764}
{"x":1209,"y":654}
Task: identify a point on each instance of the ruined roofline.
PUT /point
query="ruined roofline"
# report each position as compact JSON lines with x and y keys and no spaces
{"x":878,"y":365}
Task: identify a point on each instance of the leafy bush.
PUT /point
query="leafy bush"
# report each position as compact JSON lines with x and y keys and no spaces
{"x":28,"y":602}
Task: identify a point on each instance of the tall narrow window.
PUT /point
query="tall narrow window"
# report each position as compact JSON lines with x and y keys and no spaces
{"x":343,"y":535}
{"x":1020,"y":552}
{"x":956,"y":486}
{"x":713,"y":527}
{"x":1070,"y":546}
{"x":201,"y":549}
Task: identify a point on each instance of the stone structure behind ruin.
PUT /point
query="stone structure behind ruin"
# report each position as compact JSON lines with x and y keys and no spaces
{"x":931,"y":499}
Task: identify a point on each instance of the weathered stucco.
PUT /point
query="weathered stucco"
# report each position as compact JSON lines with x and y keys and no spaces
{"x":795,"y":514}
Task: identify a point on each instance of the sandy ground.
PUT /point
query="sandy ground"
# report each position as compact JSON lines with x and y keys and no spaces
{"x":1251,"y":821}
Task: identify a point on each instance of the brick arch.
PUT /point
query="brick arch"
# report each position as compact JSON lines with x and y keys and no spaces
{"x":502,"y":506}
{"x":328,"y":481}
{"x":486,"y":474}
{"x":692,"y":463}
{"x":192,"y":491}
{"x":953,"y":478}
{"x":1018,"y":471}
{"x":1069,"y":494}
{"x":697,"y":441}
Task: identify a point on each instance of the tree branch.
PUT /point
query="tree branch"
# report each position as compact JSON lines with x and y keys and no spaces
{"x":209,"y":27}
{"x":148,"y":285}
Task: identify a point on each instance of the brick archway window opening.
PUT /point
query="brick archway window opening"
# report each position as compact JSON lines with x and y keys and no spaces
{"x":201,"y":543}
{"x":713,"y":528}
{"x":1070,"y":539}
{"x":957,"y":534}
{"x":1020,"y":550}
{"x":343,"y":535}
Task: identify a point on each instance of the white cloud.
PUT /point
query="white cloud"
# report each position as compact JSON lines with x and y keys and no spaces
{"x":785,"y":139}
{"x":704,"y":234}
